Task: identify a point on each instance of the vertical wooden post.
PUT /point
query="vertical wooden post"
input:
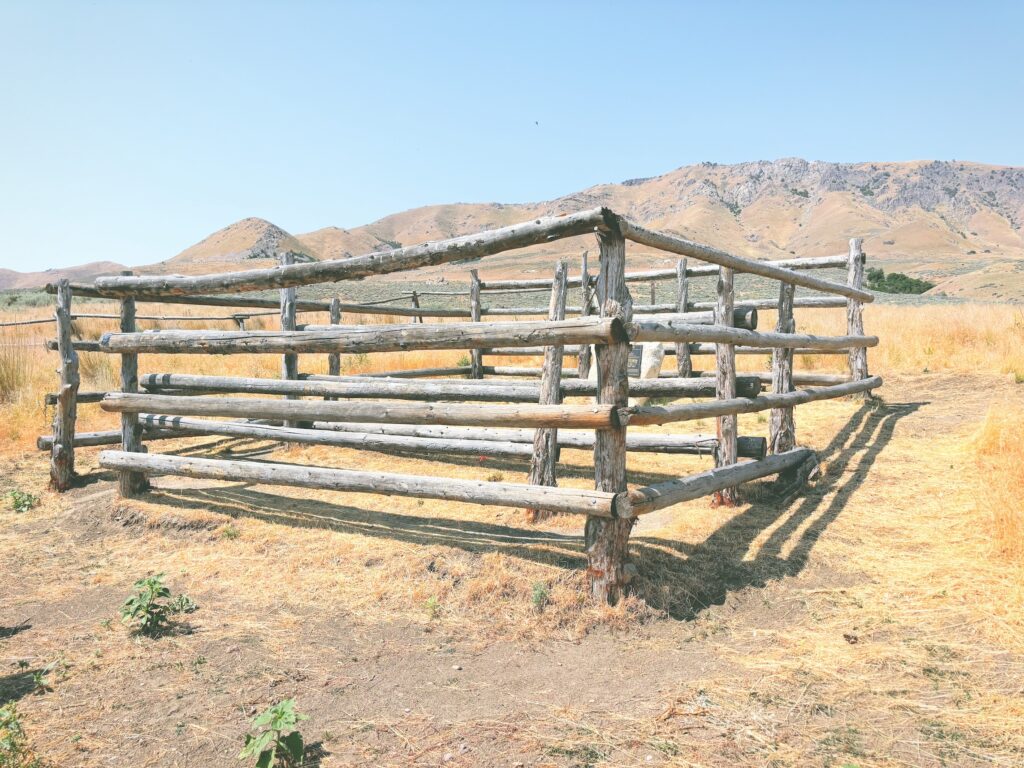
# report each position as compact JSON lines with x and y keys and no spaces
{"x":334,"y":358}
{"x":239,"y":321}
{"x":545,"y":440}
{"x":782,"y":425}
{"x":416,"y":303}
{"x":684,"y":365}
{"x":607,"y":539}
{"x":290,"y":360}
{"x":583,"y":360}
{"x":858,"y":357}
{"x":725,"y":385}
{"x":654,"y":292}
{"x":62,"y":453}
{"x":476,"y":356}
{"x":129,"y":483}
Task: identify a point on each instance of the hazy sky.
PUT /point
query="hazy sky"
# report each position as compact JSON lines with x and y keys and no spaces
{"x":129,"y":131}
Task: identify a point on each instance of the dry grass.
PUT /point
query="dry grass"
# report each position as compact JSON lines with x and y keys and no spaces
{"x":1000,"y":459}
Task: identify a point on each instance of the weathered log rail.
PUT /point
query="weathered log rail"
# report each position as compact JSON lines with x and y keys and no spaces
{"x":420,"y":412}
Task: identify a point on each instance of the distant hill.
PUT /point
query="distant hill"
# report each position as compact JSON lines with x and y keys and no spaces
{"x":957,"y":224}
{"x":11,"y":280}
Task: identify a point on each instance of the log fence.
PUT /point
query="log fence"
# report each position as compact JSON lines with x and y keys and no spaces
{"x":517,"y":412}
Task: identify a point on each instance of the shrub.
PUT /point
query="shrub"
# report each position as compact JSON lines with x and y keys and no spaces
{"x":896,"y":282}
{"x":274,"y":742}
{"x":14,"y":750}
{"x":149,"y":610}
{"x":22,"y":501}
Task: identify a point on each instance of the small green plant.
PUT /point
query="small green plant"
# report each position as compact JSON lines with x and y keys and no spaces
{"x":22,"y":501}
{"x":273,"y":740}
{"x":433,"y":606}
{"x":540,"y":595}
{"x":149,"y":610}
{"x":14,"y":749}
{"x":229,"y":532}
{"x":495,"y":477}
{"x":463,"y":361}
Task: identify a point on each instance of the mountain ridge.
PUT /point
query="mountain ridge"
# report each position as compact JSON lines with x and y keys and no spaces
{"x":957,"y":223}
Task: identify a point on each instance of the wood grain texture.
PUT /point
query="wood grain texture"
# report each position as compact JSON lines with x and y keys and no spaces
{"x":858,"y":358}
{"x":62,"y":449}
{"x":725,"y":383}
{"x":607,"y":541}
{"x":568,"y":416}
{"x":129,"y":483}
{"x":448,"y":489}
{"x":476,"y":363}
{"x":781,"y":422}
{"x":545,"y":440}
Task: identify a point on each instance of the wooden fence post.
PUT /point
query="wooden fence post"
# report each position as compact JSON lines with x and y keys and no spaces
{"x":130,"y":484}
{"x":684,"y":365}
{"x":62,"y":452}
{"x":545,"y":440}
{"x":416,"y":304}
{"x":782,"y":425}
{"x":289,"y":361}
{"x":475,"y":355}
{"x":725,"y":385}
{"x":654,"y":292}
{"x":334,"y":358}
{"x":855,"y":314}
{"x":607,"y":539}
{"x":583,"y":360}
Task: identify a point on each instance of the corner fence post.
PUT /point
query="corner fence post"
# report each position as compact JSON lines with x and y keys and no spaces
{"x":607,"y":539}
{"x":684,"y":365}
{"x":545,"y":439}
{"x":782,"y":425}
{"x":334,"y":358}
{"x":858,"y":357}
{"x":725,"y":386}
{"x":476,"y":356}
{"x":62,"y":452}
{"x":130,"y":484}
{"x":583,"y":360}
{"x":290,"y":360}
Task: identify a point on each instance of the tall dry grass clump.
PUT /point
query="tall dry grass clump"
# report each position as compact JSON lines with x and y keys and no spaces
{"x":1000,"y":458}
{"x":15,"y":370}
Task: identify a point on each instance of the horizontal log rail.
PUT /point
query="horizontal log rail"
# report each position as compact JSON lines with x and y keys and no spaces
{"x":90,"y":291}
{"x":654,"y":497}
{"x":665,"y":414}
{"x":671,"y":331}
{"x":696,"y":445}
{"x":79,"y":345}
{"x":319,"y":385}
{"x":690,"y":249}
{"x":81,"y":397}
{"x":413,"y":373}
{"x":106,"y":437}
{"x":566,"y":500}
{"x":527,"y":415}
{"x":538,"y":284}
{"x":535,"y":232}
{"x":360,"y":339}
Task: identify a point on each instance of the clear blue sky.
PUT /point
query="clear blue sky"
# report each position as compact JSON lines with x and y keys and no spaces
{"x":131,"y":130}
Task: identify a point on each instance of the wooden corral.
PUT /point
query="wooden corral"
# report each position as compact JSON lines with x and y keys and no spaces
{"x":424,"y":410}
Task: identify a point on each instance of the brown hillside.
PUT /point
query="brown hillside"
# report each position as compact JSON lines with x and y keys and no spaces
{"x":12,"y":280}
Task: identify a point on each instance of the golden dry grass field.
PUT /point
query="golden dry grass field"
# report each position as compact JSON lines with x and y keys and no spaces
{"x":876,"y":620}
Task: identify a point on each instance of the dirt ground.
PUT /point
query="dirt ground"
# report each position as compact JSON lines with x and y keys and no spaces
{"x":864,"y":624}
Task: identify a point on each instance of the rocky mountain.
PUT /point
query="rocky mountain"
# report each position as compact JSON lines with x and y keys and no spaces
{"x":959,"y":224}
{"x":234,"y":247}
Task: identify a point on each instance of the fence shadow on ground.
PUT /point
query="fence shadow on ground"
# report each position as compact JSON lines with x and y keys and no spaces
{"x":680,"y":578}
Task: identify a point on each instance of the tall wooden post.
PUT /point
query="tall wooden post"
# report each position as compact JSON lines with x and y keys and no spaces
{"x":334,"y":358}
{"x":62,"y":452}
{"x":607,"y":539}
{"x":684,"y":365}
{"x":654,"y":292}
{"x":583,"y":360}
{"x":782,"y":425}
{"x":476,"y":356}
{"x":416,"y":304}
{"x":129,"y":483}
{"x":858,"y":357}
{"x":545,"y":440}
{"x":290,"y":360}
{"x":725,"y":385}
